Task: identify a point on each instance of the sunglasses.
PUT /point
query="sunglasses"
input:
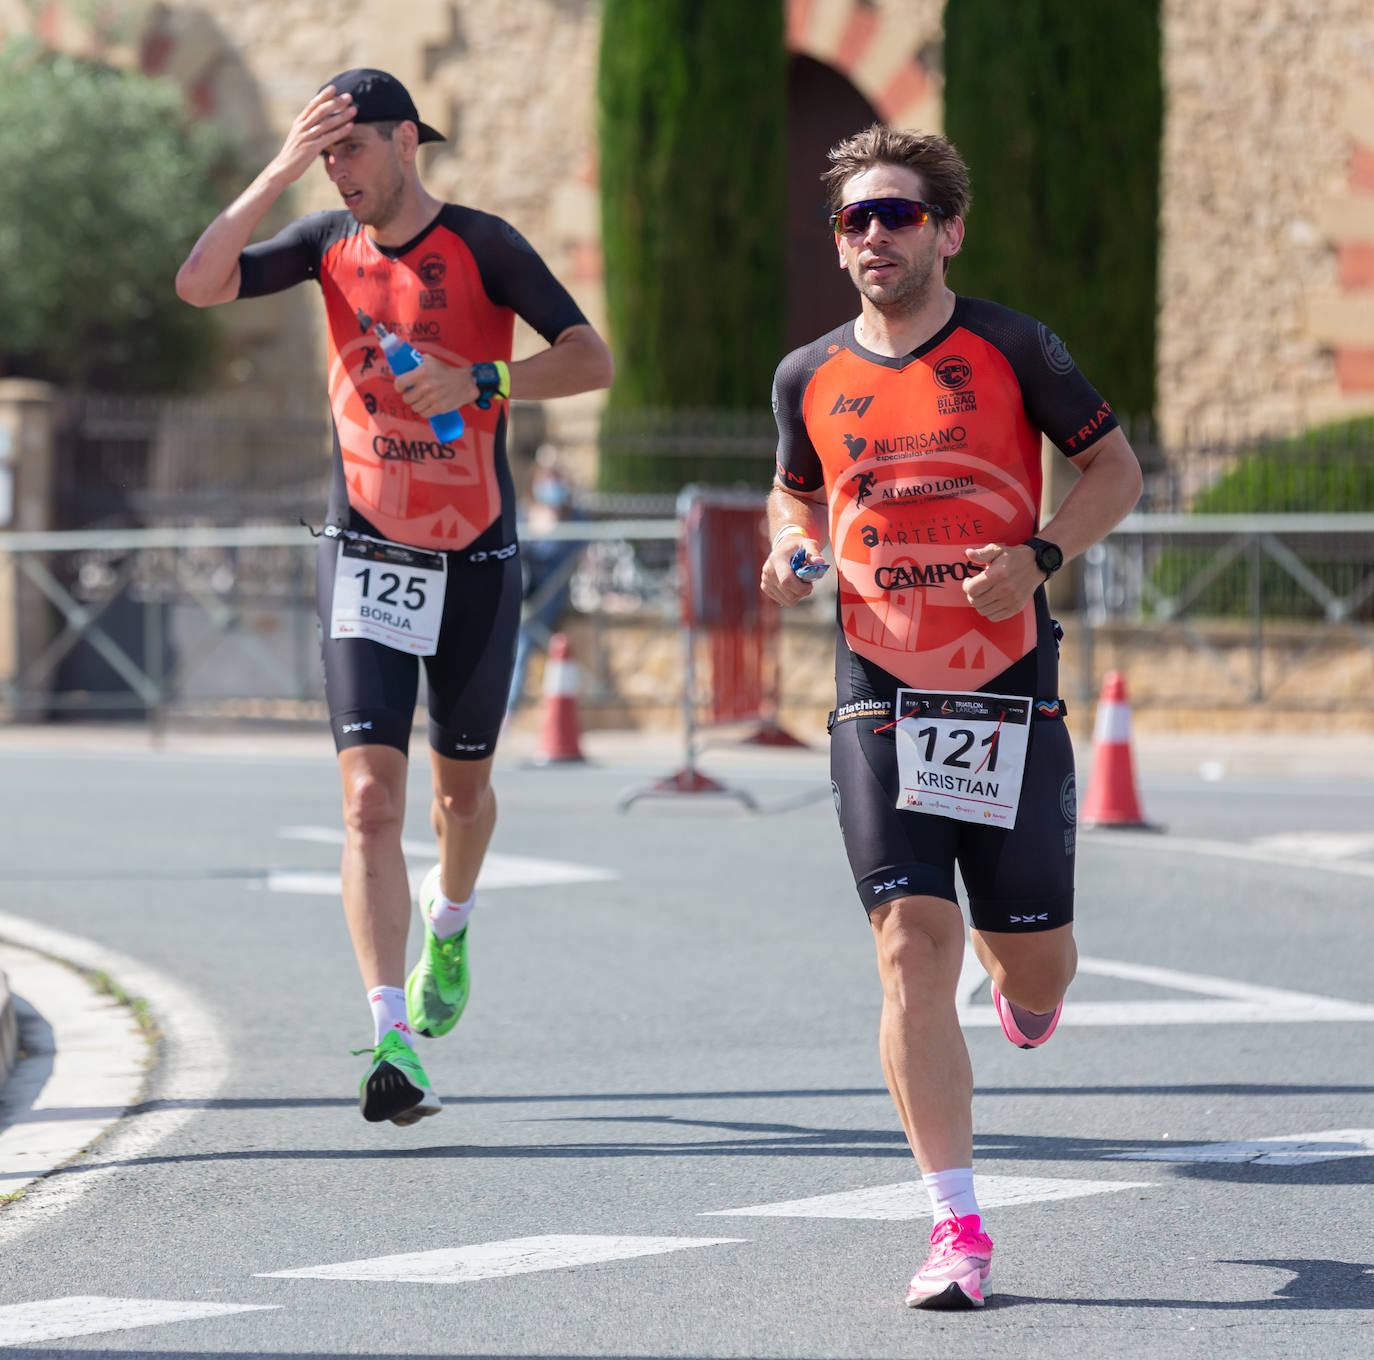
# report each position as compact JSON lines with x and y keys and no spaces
{"x":893,"y":214}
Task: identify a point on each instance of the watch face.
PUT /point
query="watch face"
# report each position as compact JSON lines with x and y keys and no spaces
{"x":1049,"y":557}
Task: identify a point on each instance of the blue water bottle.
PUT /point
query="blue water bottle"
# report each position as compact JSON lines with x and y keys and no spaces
{"x":447,"y":425}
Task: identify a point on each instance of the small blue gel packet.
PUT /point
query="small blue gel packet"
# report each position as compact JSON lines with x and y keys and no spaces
{"x":802,"y":570}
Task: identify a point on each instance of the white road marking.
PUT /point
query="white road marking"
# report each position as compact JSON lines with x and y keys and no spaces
{"x":491,"y":1260}
{"x":909,"y":1200}
{"x":1251,"y":853}
{"x":1230,"y":1002}
{"x":26,"y":1324}
{"x":1297,"y":1149}
{"x":498,"y":871}
{"x":1323,"y":845}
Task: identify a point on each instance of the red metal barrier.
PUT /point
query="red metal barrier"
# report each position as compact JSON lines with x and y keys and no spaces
{"x":732,"y":634}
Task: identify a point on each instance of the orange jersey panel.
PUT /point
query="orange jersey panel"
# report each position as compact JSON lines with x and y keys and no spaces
{"x":411,"y":487}
{"x":922,"y":458}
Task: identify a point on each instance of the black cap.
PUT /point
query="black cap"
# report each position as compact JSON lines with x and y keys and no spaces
{"x":381,"y":98}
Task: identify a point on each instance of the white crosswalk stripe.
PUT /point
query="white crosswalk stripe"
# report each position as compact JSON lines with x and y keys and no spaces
{"x":909,"y":1200}
{"x":491,"y":1260}
{"x":498,"y":871}
{"x":1294,"y":1149}
{"x":26,"y":1324}
{"x":1223,"y":1000}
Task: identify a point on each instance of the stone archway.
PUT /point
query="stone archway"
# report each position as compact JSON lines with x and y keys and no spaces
{"x":184,"y":44}
{"x":888,"y":51}
{"x":822,"y":107}
{"x":1343,"y":319}
{"x":850,"y":64}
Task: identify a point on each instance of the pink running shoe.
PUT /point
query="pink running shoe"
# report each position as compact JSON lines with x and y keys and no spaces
{"x":1025,"y":1028}
{"x":957,"y":1268}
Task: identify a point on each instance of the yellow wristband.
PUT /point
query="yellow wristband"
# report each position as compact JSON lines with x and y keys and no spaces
{"x":503,"y":369}
{"x":788,"y":529}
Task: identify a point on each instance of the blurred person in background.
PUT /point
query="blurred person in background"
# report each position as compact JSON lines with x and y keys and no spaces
{"x":911,"y":439}
{"x":548,"y":564}
{"x":419,"y":559}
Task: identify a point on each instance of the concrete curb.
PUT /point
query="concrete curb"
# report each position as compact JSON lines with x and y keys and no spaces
{"x":85,"y":1064}
{"x":58,"y":1104}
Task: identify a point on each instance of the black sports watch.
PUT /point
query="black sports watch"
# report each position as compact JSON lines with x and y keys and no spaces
{"x":493,"y":380}
{"x":1048,"y":556}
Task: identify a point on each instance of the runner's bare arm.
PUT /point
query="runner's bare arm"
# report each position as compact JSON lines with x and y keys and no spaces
{"x":1109,"y":485}
{"x":210,"y":273}
{"x":806,"y":510}
{"x":578,"y":361}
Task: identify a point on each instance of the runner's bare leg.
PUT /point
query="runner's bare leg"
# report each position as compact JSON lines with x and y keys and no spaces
{"x":376,"y":889}
{"x":920,"y":944}
{"x":463,"y":815}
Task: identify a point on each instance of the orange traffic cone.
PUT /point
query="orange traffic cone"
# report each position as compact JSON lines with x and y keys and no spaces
{"x":559,"y":738}
{"x":1112,"y":799}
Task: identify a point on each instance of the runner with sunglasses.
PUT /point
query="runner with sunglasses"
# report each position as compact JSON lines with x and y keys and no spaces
{"x":910,"y":439}
{"x":418,"y":561}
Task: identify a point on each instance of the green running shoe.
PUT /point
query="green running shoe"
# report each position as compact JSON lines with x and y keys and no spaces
{"x":437,"y":988}
{"x":395,"y":1087}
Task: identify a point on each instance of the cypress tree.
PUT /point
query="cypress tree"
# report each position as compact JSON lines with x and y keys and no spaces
{"x":693,"y":102}
{"x":1058,"y":112}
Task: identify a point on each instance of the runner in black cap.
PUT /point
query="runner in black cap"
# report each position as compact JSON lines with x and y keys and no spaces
{"x":419,"y":557}
{"x":380,"y":98}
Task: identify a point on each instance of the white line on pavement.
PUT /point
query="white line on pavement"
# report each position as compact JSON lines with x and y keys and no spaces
{"x":910,"y":1200}
{"x":491,"y":1260}
{"x":1322,"y":845}
{"x":1296,"y":1149}
{"x":1250,"y":852}
{"x":26,"y":1324}
{"x":498,"y":871}
{"x":1230,"y":1002}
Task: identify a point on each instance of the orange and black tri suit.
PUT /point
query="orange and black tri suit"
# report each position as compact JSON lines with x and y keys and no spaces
{"x":922,"y":456}
{"x":453,"y":292}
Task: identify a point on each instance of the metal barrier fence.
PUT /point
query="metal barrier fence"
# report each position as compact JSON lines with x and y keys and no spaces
{"x":221,"y":622}
{"x":155,"y":622}
{"x":1257,"y":597}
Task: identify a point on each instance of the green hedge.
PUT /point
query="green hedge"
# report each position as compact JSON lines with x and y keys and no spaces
{"x":692,"y":127}
{"x":1058,"y":110}
{"x":106,"y":186}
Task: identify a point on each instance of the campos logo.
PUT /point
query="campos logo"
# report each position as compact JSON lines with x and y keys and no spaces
{"x":953,"y":372}
{"x":432,"y":270}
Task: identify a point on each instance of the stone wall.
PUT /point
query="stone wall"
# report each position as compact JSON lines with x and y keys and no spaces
{"x":1314,"y":679}
{"x":511,"y":86}
{"x":1267,"y":200}
{"x":1266,"y":318}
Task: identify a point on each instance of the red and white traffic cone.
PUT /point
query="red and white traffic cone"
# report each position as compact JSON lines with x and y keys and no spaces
{"x":1112,"y":799}
{"x":559,"y":737}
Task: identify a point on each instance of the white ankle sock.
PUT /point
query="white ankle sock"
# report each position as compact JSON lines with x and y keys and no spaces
{"x":448,"y":917}
{"x":951,"y":1192}
{"x":389,"y":1013}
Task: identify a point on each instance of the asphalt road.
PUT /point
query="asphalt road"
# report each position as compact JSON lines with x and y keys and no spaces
{"x":687,"y":1027}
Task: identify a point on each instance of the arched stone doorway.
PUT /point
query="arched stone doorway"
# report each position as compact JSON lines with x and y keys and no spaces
{"x":822,"y":107}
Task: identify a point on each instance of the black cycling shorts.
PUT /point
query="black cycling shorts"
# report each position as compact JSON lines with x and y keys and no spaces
{"x":1017,"y":879}
{"x":371,"y":689}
